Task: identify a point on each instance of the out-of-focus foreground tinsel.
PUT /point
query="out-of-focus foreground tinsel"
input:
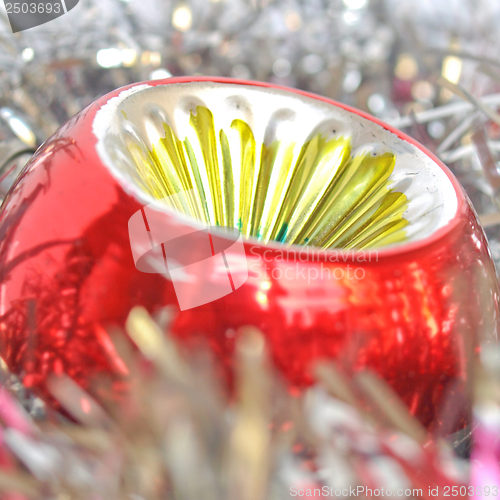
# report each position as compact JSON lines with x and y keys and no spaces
{"x":430,"y":68}
{"x":177,"y":435}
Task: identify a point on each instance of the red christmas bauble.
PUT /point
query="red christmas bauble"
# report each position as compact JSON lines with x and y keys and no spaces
{"x":351,"y":242}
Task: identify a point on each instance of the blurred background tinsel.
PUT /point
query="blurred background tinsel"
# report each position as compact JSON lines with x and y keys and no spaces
{"x":430,"y":68}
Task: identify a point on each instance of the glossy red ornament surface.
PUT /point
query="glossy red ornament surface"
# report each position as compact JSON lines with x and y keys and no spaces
{"x":414,"y":313}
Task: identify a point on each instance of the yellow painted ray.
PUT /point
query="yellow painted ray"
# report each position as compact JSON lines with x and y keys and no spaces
{"x":311,"y":194}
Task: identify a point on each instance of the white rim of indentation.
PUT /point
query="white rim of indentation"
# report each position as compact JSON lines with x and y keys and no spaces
{"x":432,"y":197}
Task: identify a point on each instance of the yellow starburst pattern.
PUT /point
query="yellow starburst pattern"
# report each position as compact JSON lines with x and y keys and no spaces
{"x":317,"y":193}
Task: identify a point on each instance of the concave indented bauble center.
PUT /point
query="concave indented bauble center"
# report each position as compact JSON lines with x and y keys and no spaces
{"x":275,"y":166}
